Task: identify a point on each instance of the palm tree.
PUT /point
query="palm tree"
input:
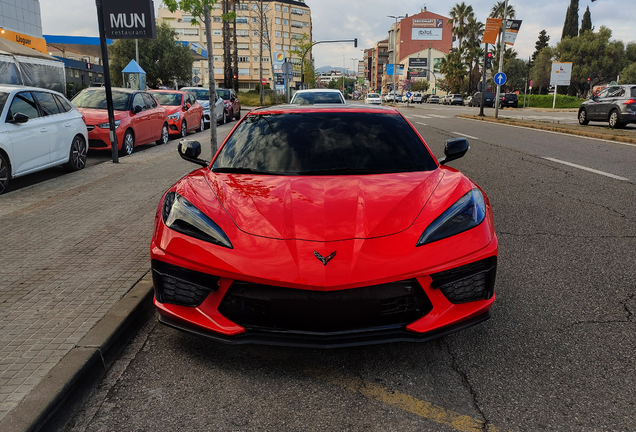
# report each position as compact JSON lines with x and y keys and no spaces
{"x":473,"y":52}
{"x":459,"y":15}
{"x":497,"y":11}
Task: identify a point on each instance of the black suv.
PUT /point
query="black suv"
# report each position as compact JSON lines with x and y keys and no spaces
{"x":509,"y":100}
{"x":489,"y":99}
{"x":615,"y":105}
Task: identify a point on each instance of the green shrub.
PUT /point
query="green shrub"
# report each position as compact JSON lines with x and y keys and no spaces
{"x":545,"y":101}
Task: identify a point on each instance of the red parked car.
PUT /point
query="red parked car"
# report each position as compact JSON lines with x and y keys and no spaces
{"x":232,"y":104}
{"x":324,"y":226}
{"x":138,"y":116}
{"x":184,"y":112}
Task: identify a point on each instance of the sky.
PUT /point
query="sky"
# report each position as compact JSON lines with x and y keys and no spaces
{"x":367,"y":20}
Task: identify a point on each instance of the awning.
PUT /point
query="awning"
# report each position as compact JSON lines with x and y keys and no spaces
{"x":197,"y":50}
{"x":85,"y":45}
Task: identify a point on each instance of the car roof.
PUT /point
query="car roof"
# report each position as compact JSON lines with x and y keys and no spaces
{"x":279,"y":109}
{"x":11,"y":87}
{"x":168,"y":91}
{"x":318,"y":91}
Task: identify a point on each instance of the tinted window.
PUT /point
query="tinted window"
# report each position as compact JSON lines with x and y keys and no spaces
{"x":139,"y":100}
{"x":23,"y":103}
{"x":47,"y":103}
{"x":3,"y":100}
{"x":327,"y":143}
{"x":96,"y":99}
{"x":171,"y":99}
{"x":223,"y":94}
{"x":317,"y":98}
{"x":66,"y":106}
{"x":149,"y":101}
{"x":201,"y":94}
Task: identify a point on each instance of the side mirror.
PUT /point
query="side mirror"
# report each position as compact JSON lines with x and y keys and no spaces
{"x":20,"y":118}
{"x":137,"y":109}
{"x":190,"y":150}
{"x":454,"y":149}
{"x":187,"y":106}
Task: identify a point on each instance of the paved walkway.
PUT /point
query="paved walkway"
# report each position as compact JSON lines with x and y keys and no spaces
{"x":70,"y":248}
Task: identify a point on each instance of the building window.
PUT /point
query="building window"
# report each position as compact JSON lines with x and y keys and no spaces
{"x":279,"y":47}
{"x":243,"y":46}
{"x":217,"y":32}
{"x":242,"y":7}
{"x":277,"y":20}
{"x":277,"y":7}
{"x":286,"y":35}
{"x":218,"y":71}
{"x":285,"y":9}
{"x":241,"y":20}
{"x":299,"y":24}
{"x":285,"y":47}
{"x":278,"y":33}
{"x":243,"y":59}
{"x":285,"y":22}
{"x":254,"y":20}
{"x":191,"y":32}
{"x":245,"y":71}
{"x":265,"y":60}
{"x":255,"y":46}
{"x":242,"y":33}
{"x":216,"y":19}
{"x":255,"y":58}
{"x":255,"y":71}
{"x":265,"y":71}
{"x":218,"y":45}
{"x":254,"y":32}
{"x":218,"y":58}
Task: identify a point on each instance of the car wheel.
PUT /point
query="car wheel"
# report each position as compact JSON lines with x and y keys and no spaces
{"x":5,"y":173}
{"x":228,"y":118}
{"x":238,"y":114}
{"x":128,"y":145}
{"x":224,"y":118}
{"x":201,"y":124}
{"x":164,"y":134}
{"x":184,"y":128}
{"x":614,"y":122}
{"x":583,"y":120}
{"x":77,"y":156}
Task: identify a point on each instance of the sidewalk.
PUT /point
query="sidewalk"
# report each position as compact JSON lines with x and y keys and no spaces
{"x":72,"y":247}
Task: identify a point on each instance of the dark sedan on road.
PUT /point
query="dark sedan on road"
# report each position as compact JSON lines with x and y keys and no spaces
{"x":615,"y":105}
{"x":324,"y":226}
{"x":488,"y":99}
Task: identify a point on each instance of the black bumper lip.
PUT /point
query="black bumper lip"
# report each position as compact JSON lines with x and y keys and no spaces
{"x":371,"y":336}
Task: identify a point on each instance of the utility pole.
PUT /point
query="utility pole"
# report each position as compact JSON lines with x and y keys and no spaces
{"x":260,"y":57}
{"x":502,"y":48}
{"x":394,"y":52}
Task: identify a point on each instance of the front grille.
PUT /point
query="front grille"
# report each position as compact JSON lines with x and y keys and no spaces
{"x":277,"y":308}
{"x":475,"y":281}
{"x":90,"y":127}
{"x":181,"y":286}
{"x":97,"y":144}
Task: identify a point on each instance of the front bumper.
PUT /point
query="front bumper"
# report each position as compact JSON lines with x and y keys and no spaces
{"x":99,"y":138}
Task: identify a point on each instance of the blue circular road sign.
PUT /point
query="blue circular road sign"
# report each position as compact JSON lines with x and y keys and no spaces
{"x":408,"y":94}
{"x":501,"y":78}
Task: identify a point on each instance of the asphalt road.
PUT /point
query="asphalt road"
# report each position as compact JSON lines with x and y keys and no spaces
{"x":557,"y":354}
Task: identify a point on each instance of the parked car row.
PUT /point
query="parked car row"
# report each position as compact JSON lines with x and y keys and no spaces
{"x":41,"y":128}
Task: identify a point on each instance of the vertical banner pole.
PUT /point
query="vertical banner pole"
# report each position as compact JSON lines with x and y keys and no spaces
{"x":554,"y":100}
{"x":109,"y":94}
{"x":483,"y":82}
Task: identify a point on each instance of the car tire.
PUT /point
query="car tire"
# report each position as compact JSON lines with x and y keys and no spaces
{"x":77,"y":154}
{"x":128,"y":144}
{"x":5,"y":173}
{"x":228,"y":118}
{"x":223,"y":118}
{"x":238,"y":114}
{"x":165,"y":134}
{"x":614,"y":121}
{"x":201,"y":124}
{"x":184,"y":128}
{"x":583,"y":120}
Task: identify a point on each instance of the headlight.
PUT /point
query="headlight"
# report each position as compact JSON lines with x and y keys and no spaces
{"x":468,"y":212}
{"x":180,"y":215}
{"x":174,"y":116}
{"x":107,"y":125}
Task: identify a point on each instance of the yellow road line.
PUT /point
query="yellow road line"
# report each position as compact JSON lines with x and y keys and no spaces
{"x":402,"y":401}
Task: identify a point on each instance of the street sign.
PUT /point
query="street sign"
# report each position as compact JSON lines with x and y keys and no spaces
{"x":408,"y":94}
{"x":561,"y":74}
{"x":500,"y":79}
{"x":287,"y":68}
{"x":264,"y":81}
{"x":125,"y":19}
{"x":512,"y":30}
{"x":196,"y":79}
{"x":493,"y":25}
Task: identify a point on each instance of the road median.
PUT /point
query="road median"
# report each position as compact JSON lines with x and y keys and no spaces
{"x":599,"y":132}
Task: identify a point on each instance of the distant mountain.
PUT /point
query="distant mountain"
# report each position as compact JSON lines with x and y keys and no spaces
{"x":327,"y":69}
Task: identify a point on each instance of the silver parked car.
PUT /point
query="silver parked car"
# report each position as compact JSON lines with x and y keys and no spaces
{"x":615,"y":105}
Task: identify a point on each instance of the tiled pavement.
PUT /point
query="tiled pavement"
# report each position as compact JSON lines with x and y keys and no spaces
{"x":70,"y":248}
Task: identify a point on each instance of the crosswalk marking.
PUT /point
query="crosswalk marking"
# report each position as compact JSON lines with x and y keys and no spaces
{"x":420,"y":116}
{"x":438,"y":116}
{"x":464,"y":135}
{"x":420,"y":123}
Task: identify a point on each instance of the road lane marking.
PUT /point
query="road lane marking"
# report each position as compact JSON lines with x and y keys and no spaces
{"x":403,"y":401}
{"x":438,"y":116}
{"x":467,"y":136}
{"x":552,"y":132}
{"x":603,"y":173}
{"x":420,"y":116}
{"x":420,"y":123}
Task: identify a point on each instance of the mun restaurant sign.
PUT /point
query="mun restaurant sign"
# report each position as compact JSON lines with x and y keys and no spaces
{"x":129,"y":19}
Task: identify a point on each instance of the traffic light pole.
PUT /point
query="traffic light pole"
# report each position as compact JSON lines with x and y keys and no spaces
{"x":483,"y":82}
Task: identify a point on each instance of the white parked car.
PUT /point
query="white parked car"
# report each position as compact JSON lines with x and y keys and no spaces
{"x":39,"y":129}
{"x":416,"y":98}
{"x":467,"y":101}
{"x":202,"y":95}
{"x":373,"y":98}
{"x":318,"y":96}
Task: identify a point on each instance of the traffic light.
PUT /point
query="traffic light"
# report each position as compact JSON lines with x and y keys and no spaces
{"x":234,"y":76}
{"x":355,"y":43}
{"x":489,"y":60}
{"x":408,"y":74}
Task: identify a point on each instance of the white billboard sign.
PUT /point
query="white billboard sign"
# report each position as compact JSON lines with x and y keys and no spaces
{"x":561,"y":74}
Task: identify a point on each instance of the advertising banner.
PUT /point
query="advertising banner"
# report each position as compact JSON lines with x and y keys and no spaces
{"x":278,"y":60}
{"x":493,"y":25}
{"x":561,"y":74}
{"x":129,"y":19}
{"x":512,"y":30}
{"x":418,"y":67}
{"x":427,"y":29}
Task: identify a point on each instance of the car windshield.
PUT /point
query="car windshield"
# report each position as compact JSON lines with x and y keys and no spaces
{"x":199,"y":93}
{"x":310,"y":98}
{"x":96,"y":99}
{"x":3,"y":100}
{"x":374,"y":95}
{"x":324,"y":143}
{"x":224,"y":94}
{"x":171,"y":99}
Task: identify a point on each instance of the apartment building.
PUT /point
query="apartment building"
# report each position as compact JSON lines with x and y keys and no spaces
{"x":379,"y":58}
{"x":285,"y":22}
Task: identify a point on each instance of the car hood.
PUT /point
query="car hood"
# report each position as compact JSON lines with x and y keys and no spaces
{"x":204,"y":103}
{"x":98,"y":116}
{"x":171,"y":109}
{"x":324,"y":208}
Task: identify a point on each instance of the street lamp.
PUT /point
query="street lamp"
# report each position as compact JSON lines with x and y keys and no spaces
{"x":394,"y":46}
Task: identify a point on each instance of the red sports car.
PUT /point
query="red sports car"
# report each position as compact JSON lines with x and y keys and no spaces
{"x":324,"y":226}
{"x":184,"y":112}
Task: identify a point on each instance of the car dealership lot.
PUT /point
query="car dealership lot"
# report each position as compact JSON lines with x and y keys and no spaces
{"x":557,"y":353}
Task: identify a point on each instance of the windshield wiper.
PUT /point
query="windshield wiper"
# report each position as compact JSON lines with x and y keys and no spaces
{"x":241,"y":170}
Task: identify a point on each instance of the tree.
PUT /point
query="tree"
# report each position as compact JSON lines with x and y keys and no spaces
{"x":628,"y":75}
{"x":571,"y":24}
{"x":459,"y":15}
{"x":160,"y":58}
{"x":630,"y":50}
{"x":517,"y":71}
{"x":592,"y":52}
{"x":303,"y":46}
{"x":262,"y":26}
{"x":420,"y":85}
{"x":509,"y":55}
{"x":473,"y":52}
{"x":586,"y":24}
{"x":454,"y":70}
{"x":542,"y":68}
{"x":497,"y":11}
{"x":200,"y":10}
{"x":541,"y":43}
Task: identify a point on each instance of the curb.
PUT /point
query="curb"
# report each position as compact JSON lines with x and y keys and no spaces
{"x":616,"y":138}
{"x":52,"y":402}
